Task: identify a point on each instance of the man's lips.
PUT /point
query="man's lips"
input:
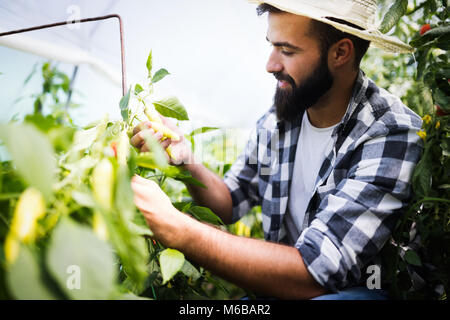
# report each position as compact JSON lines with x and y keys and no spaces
{"x":283,"y":84}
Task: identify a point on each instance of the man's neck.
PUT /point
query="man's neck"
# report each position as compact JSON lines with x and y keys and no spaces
{"x":330,"y":109}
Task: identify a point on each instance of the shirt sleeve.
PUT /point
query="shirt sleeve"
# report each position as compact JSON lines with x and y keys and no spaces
{"x":354,"y":220}
{"x":242,"y":179}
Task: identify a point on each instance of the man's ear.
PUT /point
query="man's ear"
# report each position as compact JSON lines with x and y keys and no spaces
{"x":342,"y":53}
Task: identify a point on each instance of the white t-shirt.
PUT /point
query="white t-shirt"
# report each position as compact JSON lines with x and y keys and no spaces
{"x":311,"y":148}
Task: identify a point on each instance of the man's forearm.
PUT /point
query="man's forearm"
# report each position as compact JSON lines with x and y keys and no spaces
{"x":268,"y":268}
{"x":215,"y":196}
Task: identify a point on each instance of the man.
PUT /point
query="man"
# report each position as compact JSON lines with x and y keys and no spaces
{"x":330,"y":164}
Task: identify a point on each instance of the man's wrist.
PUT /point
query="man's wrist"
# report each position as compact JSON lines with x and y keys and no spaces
{"x":189,"y":163}
{"x":184,"y":231}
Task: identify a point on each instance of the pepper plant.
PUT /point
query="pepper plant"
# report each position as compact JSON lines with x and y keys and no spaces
{"x":418,"y":255}
{"x":69,"y":228}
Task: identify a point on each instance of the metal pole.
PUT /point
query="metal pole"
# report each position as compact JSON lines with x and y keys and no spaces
{"x":56,"y":24}
{"x":69,"y":94}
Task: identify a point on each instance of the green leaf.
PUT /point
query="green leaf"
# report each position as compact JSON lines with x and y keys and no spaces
{"x":182,"y":205}
{"x":206,"y":215}
{"x":159,"y":75}
{"x":188,"y":179}
{"x":202,"y":130}
{"x":444,"y":42}
{"x":76,"y":253}
{"x":153,"y":159}
{"x":129,"y":246}
{"x":61,"y":138}
{"x":140,"y":230}
{"x":437,"y":32}
{"x":395,"y":12}
{"x":182,"y":175}
{"x":441,"y":98}
{"x":32,"y":154}
{"x":33,"y":71}
{"x":171,"y":107}
{"x":421,"y":179}
{"x":413,"y":258}
{"x":84,"y":199}
{"x":124,"y":194}
{"x":26,"y":280}
{"x":190,"y":271}
{"x":171,"y":261}
{"x":149,"y":64}
{"x":194,"y":132}
{"x":138,"y":88}
{"x":431,"y":37}
{"x":124,"y":105}
{"x":42,"y":123}
{"x":145,"y":160}
{"x":8,"y":196}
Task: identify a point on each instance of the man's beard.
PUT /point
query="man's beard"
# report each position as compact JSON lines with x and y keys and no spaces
{"x":291,"y":102}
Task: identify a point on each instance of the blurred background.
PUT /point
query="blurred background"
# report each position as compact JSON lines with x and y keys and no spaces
{"x":215,"y":51}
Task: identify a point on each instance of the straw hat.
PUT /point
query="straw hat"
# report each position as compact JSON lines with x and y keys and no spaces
{"x":358,"y":12}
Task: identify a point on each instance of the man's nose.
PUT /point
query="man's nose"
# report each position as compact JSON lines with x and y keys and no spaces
{"x":273,"y":64}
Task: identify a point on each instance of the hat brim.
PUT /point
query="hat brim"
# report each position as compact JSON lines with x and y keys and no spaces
{"x":376,"y":38}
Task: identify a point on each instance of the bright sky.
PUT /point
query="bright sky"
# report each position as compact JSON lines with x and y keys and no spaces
{"x":215,"y":51}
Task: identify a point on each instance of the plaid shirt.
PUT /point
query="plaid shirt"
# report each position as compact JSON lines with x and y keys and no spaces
{"x":361,"y":188}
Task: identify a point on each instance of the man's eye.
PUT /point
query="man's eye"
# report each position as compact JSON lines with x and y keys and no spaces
{"x":287,"y":53}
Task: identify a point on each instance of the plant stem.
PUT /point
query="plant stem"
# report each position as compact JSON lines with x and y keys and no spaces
{"x":4,"y":221}
{"x":153,"y":290}
{"x":7,"y":196}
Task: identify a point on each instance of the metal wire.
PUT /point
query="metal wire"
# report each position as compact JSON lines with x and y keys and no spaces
{"x":56,"y":24}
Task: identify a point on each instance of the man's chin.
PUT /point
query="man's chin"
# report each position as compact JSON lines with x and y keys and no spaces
{"x":287,"y":113}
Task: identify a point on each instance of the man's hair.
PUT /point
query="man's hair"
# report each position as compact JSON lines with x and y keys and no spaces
{"x":327,"y":34}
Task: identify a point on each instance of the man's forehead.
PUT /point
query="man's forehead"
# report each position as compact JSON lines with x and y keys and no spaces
{"x":287,"y":27}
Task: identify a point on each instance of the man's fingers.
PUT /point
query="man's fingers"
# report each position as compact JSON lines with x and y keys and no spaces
{"x":138,"y":139}
{"x":164,"y":119}
{"x":136,"y":179}
{"x":168,"y":123}
{"x":166,"y":143}
{"x":139,"y":189}
{"x":139,"y":202}
{"x":141,"y":126}
{"x":158,"y":136}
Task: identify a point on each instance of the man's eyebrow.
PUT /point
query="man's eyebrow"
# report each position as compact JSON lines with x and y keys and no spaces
{"x":284,"y":44}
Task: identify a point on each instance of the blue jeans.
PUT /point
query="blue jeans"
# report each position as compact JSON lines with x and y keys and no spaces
{"x":355,"y":293}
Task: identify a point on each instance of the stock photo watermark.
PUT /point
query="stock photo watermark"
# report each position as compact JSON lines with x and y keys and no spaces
{"x":374,"y":280}
{"x":73,"y":20}
{"x":74,"y":279}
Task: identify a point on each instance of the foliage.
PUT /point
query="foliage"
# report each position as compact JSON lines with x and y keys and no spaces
{"x":56,"y":94}
{"x":418,"y":254}
{"x":88,"y":222}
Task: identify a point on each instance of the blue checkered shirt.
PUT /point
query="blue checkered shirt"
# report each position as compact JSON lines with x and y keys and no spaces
{"x":362,"y":186}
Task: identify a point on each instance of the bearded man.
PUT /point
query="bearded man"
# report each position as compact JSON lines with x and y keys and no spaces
{"x":330,"y":163}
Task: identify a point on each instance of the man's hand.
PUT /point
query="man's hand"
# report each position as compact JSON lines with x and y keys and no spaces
{"x":161,"y":216}
{"x":270,"y":268}
{"x":180,"y":153}
{"x":216,"y":195}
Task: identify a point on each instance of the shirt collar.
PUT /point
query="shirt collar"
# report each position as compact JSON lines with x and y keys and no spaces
{"x":358,"y":94}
